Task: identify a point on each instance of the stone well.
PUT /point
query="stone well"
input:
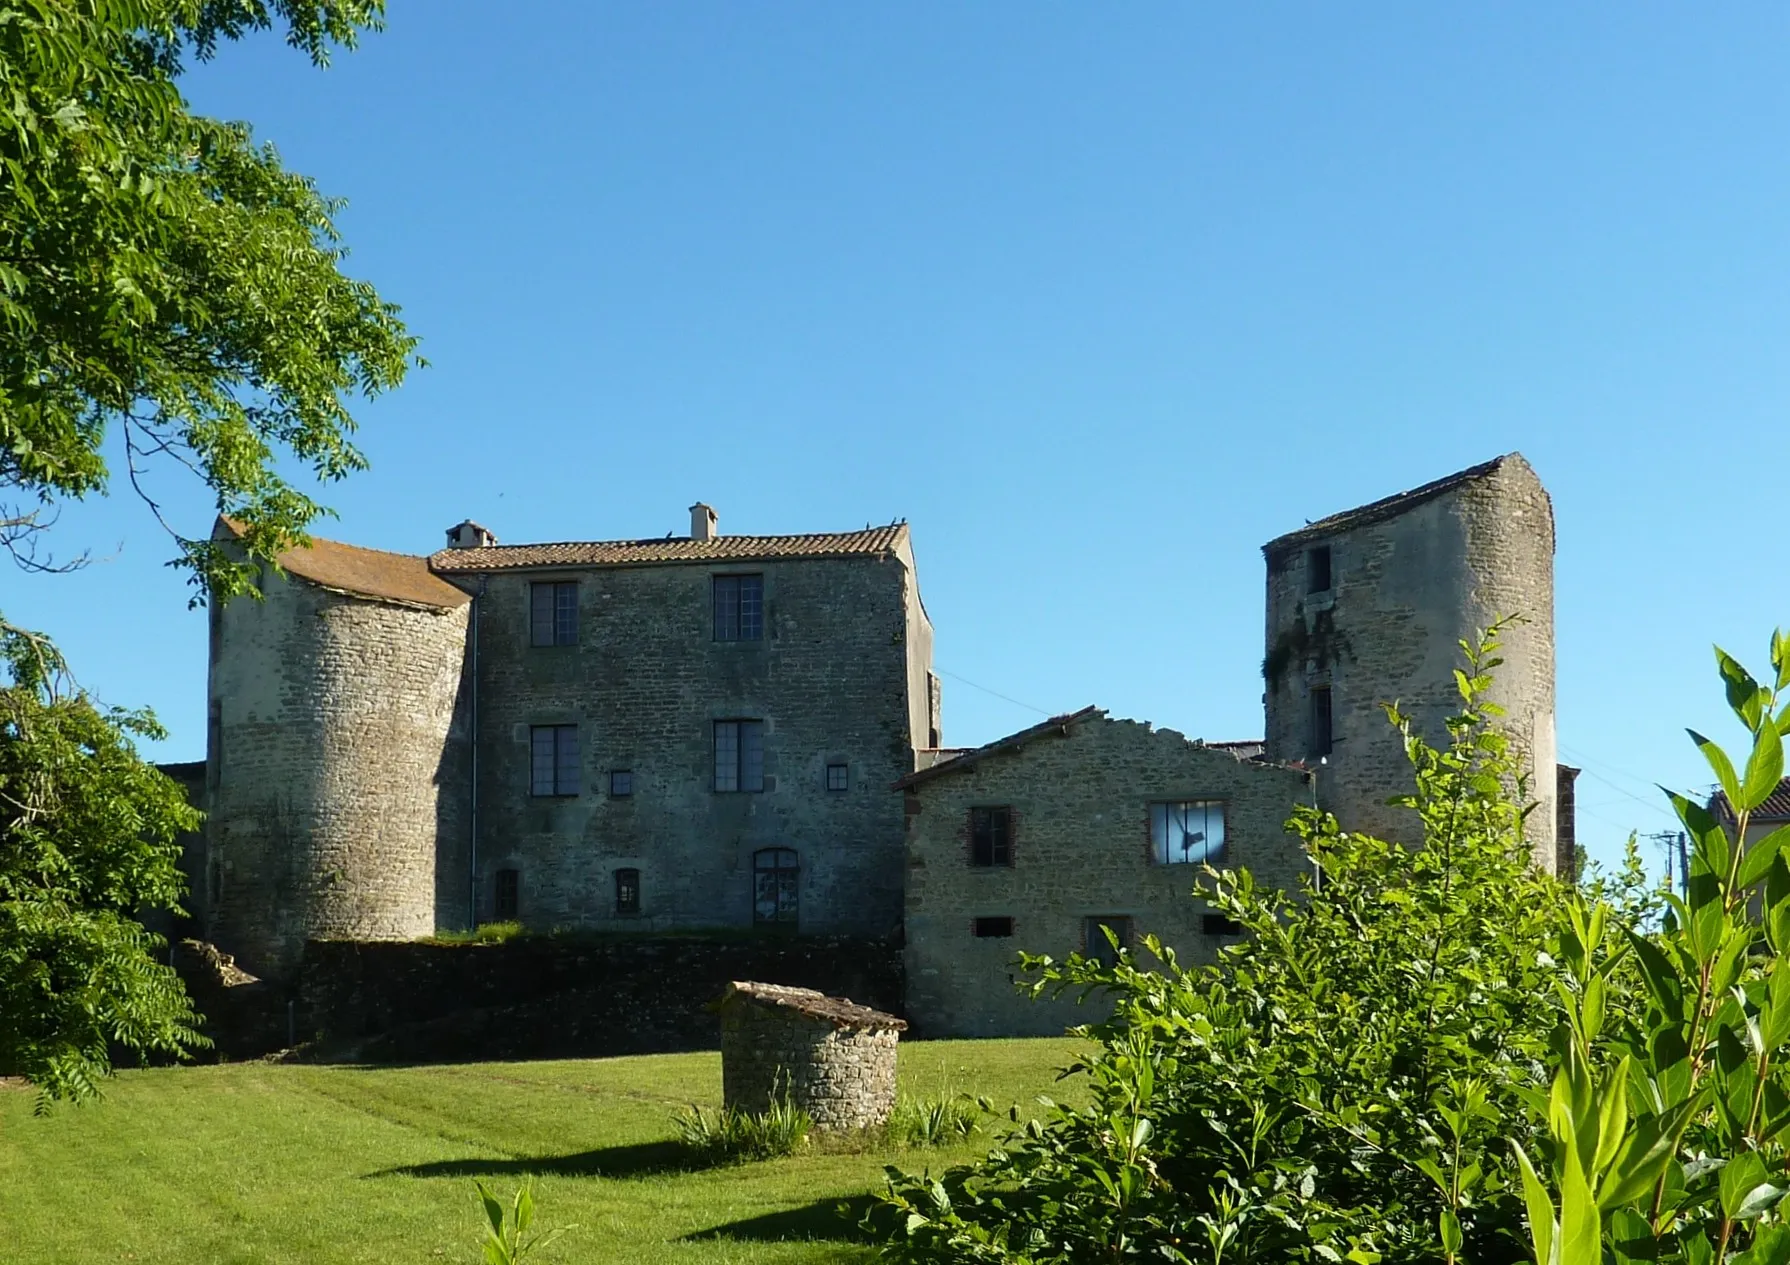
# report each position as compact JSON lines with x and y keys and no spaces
{"x":834,"y":1058}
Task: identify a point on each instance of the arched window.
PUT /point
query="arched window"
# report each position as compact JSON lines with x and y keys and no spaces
{"x":506,"y":902}
{"x":775,"y":879}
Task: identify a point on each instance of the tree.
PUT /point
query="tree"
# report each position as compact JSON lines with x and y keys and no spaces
{"x":1342,"y":1085}
{"x":166,"y":286}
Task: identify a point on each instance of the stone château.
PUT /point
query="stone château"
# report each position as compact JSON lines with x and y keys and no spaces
{"x":647,"y":736}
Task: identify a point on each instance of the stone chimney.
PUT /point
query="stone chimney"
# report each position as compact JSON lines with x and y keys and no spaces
{"x":469,"y":535}
{"x":702,"y":522}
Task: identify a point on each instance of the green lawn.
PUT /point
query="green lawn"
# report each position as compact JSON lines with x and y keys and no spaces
{"x":269,"y":1164}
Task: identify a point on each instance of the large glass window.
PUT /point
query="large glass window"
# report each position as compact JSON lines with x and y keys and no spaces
{"x":776,"y":876}
{"x":739,"y":755}
{"x":739,"y":607}
{"x":553,"y":613}
{"x":553,"y":759}
{"x":1187,"y":833}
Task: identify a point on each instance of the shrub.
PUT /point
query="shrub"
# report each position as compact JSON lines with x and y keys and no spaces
{"x":942,"y":1121}
{"x":506,"y":1240}
{"x":1342,"y":1085}
{"x":484,"y":933}
{"x":731,"y":1136}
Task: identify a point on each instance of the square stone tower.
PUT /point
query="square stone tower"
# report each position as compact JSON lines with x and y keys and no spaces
{"x":1369,"y":606}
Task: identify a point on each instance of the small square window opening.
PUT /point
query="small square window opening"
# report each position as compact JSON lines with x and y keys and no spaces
{"x":838,"y":777}
{"x":1219,"y":925}
{"x":621,"y":783}
{"x":993,"y":928}
{"x":991,"y":836}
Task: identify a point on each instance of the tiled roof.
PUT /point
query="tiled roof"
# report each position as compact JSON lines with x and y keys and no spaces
{"x":1012,"y":742}
{"x":870,"y":542}
{"x":399,"y":577}
{"x":841,"y":1012}
{"x":1775,"y":808}
{"x":1386,"y":507}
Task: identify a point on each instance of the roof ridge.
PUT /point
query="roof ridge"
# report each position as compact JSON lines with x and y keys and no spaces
{"x":659,"y":540}
{"x":236,"y":527}
{"x":1388,"y":506}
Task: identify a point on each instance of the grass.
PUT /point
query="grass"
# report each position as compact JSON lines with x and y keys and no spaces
{"x":265,"y":1164}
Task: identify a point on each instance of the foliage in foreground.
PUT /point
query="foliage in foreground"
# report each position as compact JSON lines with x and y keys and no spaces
{"x":944,"y":1120}
{"x":87,"y":839}
{"x":507,"y":1241}
{"x":1345,"y":1084}
{"x":1669,"y":1108}
{"x":732,"y":1136}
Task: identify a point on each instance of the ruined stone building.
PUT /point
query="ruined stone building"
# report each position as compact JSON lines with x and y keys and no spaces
{"x":710,"y":731}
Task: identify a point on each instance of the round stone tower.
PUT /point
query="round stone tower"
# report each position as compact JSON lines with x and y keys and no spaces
{"x":334,"y":763}
{"x":1369,"y":606}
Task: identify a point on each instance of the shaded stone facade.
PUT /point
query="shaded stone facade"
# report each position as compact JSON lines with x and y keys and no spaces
{"x":1370,"y":606}
{"x":832,"y":1058}
{"x":1084,"y":796}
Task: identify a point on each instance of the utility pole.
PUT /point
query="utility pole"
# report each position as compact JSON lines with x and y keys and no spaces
{"x":1671,"y":841}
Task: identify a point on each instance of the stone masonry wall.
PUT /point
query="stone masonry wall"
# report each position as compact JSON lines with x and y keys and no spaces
{"x":843,"y":1077}
{"x":1405,"y":591}
{"x":334,"y":765}
{"x":1081,"y":812}
{"x":831,"y":680}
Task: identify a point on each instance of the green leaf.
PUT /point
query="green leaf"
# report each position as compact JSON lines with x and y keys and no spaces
{"x":1539,"y":1208}
{"x":1760,"y":854}
{"x":1741,"y":1177}
{"x":1581,"y":1228}
{"x":1719,"y":763}
{"x":1759,"y":1200}
{"x":1451,"y":1233}
{"x":1745,"y":695}
{"x":1764,"y":769}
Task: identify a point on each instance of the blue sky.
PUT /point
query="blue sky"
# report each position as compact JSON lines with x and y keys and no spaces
{"x":1100,"y":299}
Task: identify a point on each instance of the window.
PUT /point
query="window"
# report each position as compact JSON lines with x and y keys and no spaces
{"x":838,"y":777}
{"x":1322,"y":735}
{"x":991,"y":836}
{"x":1098,"y":946}
{"x":739,"y":755}
{"x":553,"y":613}
{"x":627,"y":891}
{"x":739,"y":607}
{"x":1187,"y":833}
{"x":553,"y":760}
{"x":621,"y":783}
{"x":505,"y":902}
{"x":1317,"y":569}
{"x":993,"y":928}
{"x":775,"y":877}
{"x":1219,"y":925}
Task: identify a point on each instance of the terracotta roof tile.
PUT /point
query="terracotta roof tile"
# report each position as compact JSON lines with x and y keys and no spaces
{"x":670,"y":549}
{"x":1775,"y":808}
{"x":399,"y":577}
{"x":1386,"y":507}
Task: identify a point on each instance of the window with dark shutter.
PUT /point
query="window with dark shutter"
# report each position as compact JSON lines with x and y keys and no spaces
{"x":1219,"y":925}
{"x":993,"y":928}
{"x":1099,"y":947}
{"x":991,"y":836}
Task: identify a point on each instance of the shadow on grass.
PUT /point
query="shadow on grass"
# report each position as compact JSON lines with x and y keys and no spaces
{"x":642,"y":1159}
{"x":835,"y":1219}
